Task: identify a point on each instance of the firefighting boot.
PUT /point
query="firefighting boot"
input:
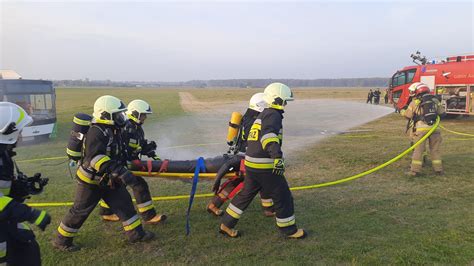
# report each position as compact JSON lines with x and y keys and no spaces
{"x":157,"y":219}
{"x":412,"y":173}
{"x":143,"y":237}
{"x":212,"y":208}
{"x":300,"y":234}
{"x":64,"y":244}
{"x":110,"y":218}
{"x":439,"y":173}
{"x":230,"y":232}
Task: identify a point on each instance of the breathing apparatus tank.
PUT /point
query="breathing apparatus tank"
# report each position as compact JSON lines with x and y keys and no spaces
{"x":80,"y":126}
{"x":234,"y":126}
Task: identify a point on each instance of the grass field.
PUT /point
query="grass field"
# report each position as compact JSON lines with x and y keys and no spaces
{"x":384,"y":218}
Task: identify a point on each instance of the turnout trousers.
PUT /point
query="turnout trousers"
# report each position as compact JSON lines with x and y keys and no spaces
{"x":272,"y":185}
{"x":142,"y":195}
{"x":86,"y":199}
{"x":435,"y":155}
{"x":232,"y":187}
{"x":21,"y":246}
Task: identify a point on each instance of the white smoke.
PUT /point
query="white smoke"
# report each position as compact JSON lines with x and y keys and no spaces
{"x":305,"y":122}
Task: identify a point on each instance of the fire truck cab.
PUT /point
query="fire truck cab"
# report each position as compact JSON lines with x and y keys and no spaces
{"x":451,"y":78}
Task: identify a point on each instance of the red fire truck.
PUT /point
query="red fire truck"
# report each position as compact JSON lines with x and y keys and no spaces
{"x":452,"y":78}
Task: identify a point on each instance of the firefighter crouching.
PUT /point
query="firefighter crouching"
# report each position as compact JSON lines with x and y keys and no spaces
{"x":232,"y":186}
{"x":102,"y":174}
{"x":134,"y":136}
{"x":422,"y":113}
{"x":18,"y":245}
{"x":264,"y":165}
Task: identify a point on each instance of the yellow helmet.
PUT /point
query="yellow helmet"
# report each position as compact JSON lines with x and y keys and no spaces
{"x":12,"y":121}
{"x":257,"y":102}
{"x":136,"y":108}
{"x":109,"y":110}
{"x":277,"y":95}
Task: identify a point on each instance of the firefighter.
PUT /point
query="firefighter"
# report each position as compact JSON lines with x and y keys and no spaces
{"x":370,"y":96}
{"x":102,"y":174}
{"x":18,"y":245}
{"x":419,"y":124}
{"x":233,"y":186}
{"x":134,"y":136}
{"x":264,"y":166}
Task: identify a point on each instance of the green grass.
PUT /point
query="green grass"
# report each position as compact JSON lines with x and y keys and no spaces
{"x":384,"y":218}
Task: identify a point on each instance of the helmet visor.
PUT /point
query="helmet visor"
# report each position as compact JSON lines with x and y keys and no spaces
{"x":120,"y":119}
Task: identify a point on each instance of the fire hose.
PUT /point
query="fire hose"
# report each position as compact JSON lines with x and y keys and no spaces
{"x":455,"y":132}
{"x":326,"y":184}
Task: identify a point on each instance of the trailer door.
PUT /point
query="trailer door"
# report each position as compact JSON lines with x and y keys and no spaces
{"x":428,"y":80}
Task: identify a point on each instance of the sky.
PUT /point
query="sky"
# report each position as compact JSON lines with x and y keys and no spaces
{"x":180,"y":41}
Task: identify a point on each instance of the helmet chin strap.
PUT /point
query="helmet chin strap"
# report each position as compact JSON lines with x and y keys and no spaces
{"x":134,"y":119}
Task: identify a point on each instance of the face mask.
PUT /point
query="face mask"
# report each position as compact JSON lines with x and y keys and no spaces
{"x":120,"y":119}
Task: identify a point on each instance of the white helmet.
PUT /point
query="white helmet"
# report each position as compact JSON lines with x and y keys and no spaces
{"x":415,"y":86}
{"x":137,"y":107}
{"x":257,"y":102}
{"x":109,"y":110}
{"x":277,"y":95}
{"x":12,"y":121}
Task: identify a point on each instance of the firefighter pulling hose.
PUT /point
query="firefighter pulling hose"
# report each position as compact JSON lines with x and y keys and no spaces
{"x":265,"y":167}
{"x":422,"y":113}
{"x":102,"y":174}
{"x":237,"y":140}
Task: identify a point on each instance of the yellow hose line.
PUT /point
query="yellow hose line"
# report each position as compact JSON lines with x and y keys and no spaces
{"x":331,"y":183}
{"x":455,"y":132}
{"x":42,"y":159}
{"x":163,"y":198}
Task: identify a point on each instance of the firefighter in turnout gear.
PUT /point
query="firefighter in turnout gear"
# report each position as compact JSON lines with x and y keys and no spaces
{"x":231,"y":187}
{"x":422,"y":113}
{"x":18,"y":245}
{"x":264,"y":165}
{"x":134,"y":136}
{"x":102,"y":174}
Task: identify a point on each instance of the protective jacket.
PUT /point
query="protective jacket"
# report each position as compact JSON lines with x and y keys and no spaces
{"x":104,"y":153}
{"x":13,"y":213}
{"x":414,"y":112}
{"x":137,"y":144}
{"x":264,"y":141}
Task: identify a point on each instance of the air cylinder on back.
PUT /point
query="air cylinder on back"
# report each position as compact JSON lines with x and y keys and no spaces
{"x":234,"y":125}
{"x":80,"y":126}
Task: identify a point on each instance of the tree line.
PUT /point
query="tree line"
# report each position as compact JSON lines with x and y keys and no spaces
{"x":239,"y":83}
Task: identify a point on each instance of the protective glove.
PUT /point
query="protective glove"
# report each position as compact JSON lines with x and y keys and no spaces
{"x":231,"y":164}
{"x":219,"y":175}
{"x":149,"y":149}
{"x":278,"y":166}
{"x":154,"y":156}
{"x":41,"y":219}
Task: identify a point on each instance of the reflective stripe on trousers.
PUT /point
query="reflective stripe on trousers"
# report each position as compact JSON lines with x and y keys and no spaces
{"x":132,"y":223}
{"x":267,"y":202}
{"x":284,"y":222}
{"x":67,"y":231}
{"x":146,"y":206}
{"x":234,"y":211}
